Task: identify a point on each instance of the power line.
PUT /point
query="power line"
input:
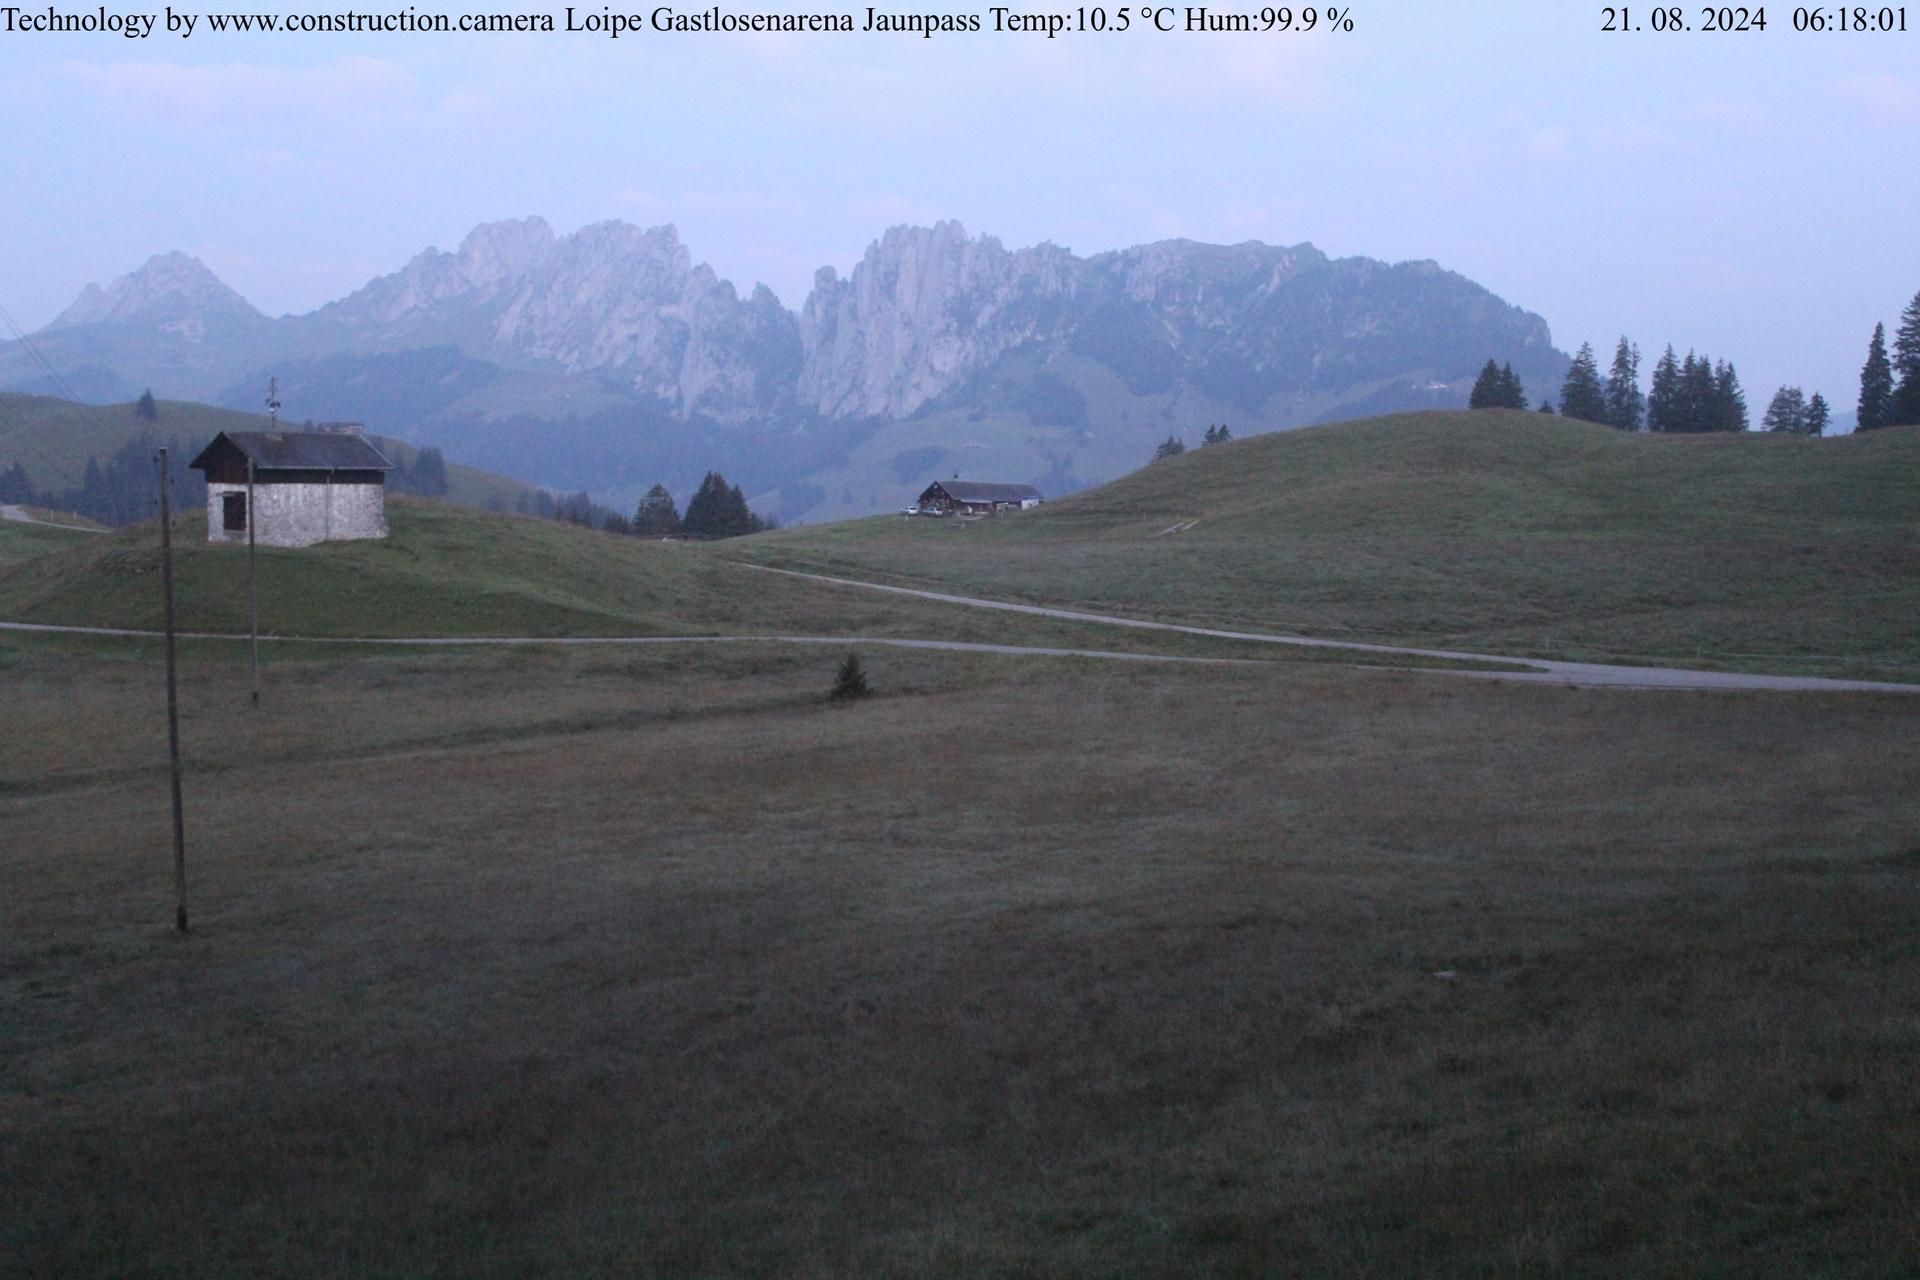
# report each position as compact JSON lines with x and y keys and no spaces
{"x":58,"y":383}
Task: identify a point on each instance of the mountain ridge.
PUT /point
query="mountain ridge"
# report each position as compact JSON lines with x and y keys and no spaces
{"x":608,"y":357}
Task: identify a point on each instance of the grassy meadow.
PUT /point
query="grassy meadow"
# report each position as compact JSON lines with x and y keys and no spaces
{"x":451,"y":571}
{"x":1490,"y":531}
{"x":20,"y":541}
{"x":650,"y":960}
{"x":654,"y":962}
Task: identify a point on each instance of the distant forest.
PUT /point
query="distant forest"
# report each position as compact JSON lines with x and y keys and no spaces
{"x":120,"y":489}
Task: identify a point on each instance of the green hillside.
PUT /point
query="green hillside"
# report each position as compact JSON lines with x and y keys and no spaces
{"x":452,"y":571}
{"x":1516,"y":532}
{"x":20,"y":541}
{"x":444,"y":571}
{"x":52,"y":439}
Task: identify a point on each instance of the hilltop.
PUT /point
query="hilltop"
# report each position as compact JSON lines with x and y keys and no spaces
{"x":52,"y":439}
{"x":1511,"y":532}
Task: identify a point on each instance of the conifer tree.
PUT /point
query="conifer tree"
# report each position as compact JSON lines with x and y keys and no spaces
{"x":15,"y":486}
{"x":1663,"y":398}
{"x":145,"y":409}
{"x":1624,"y":402}
{"x":1546,"y":406}
{"x":656,"y":516}
{"x":1786,"y":412}
{"x":1581,"y":395}
{"x":1876,"y":384}
{"x":850,"y":682}
{"x":719,"y":510}
{"x":1512,"y":394}
{"x":1818,"y":415}
{"x":1497,"y":387}
{"x":1905,"y":403}
{"x":1729,"y":401}
{"x":1486,"y":387}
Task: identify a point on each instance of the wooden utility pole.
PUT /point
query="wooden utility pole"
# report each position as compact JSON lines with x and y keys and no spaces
{"x":173,"y":697}
{"x":253,"y":587}
{"x":253,"y":575}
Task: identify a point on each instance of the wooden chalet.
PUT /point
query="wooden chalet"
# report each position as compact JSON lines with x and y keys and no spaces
{"x":976,"y":497}
{"x":296,"y":487}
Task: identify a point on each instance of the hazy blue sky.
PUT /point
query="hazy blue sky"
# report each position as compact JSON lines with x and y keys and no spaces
{"x":1751,"y":195}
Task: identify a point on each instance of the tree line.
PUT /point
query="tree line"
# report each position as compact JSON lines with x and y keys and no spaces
{"x":716,"y":510}
{"x":1700,"y":394}
{"x":1173,"y":446}
{"x":119,"y":490}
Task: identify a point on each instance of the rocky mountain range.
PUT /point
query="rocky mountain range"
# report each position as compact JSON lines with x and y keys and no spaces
{"x":608,"y":359}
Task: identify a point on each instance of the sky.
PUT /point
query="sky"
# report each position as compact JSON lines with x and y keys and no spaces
{"x":1750,"y":195}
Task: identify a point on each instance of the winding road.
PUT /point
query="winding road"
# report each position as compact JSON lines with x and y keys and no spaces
{"x":1540,"y":670}
{"x":1535,"y":670}
{"x":20,"y":515}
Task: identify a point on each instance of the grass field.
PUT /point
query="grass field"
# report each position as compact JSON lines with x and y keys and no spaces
{"x":20,"y":541}
{"x":652,"y":961}
{"x":1493,"y":531}
{"x":449,"y":571}
{"x":597,"y":962}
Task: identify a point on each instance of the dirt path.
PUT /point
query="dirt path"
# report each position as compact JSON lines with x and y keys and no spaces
{"x":20,"y":515}
{"x":1543,"y":670}
{"x":1539,"y":670}
{"x":954,"y":646}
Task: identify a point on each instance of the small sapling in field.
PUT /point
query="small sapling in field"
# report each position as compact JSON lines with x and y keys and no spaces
{"x":851,"y":682}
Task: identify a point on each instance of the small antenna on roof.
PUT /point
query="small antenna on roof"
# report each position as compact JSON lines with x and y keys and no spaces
{"x":273,"y":403}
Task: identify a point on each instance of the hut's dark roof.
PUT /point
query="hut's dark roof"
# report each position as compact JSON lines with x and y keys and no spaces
{"x":299,"y":450}
{"x":982,"y":491}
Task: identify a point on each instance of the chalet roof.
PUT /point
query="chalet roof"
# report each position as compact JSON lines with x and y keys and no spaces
{"x":302,"y":450}
{"x":982,"y":491}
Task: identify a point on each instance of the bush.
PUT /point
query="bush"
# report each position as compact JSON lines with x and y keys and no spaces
{"x":851,"y":683}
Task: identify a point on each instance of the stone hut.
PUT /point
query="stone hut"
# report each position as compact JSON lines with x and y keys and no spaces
{"x":307,"y":487}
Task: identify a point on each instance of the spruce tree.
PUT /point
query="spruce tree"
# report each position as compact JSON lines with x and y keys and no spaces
{"x":1171,"y":447}
{"x":1581,"y":395}
{"x":1729,"y":401}
{"x":1905,"y":403}
{"x":1546,"y":406}
{"x":656,"y":516}
{"x":850,"y":681}
{"x":1486,"y":387}
{"x":1786,"y":412}
{"x":145,"y":409}
{"x":1663,"y":398}
{"x":1694,"y":408}
{"x":1818,"y":415}
{"x":1624,"y":402}
{"x":15,"y":486}
{"x":1876,"y":384}
{"x":1512,"y":394}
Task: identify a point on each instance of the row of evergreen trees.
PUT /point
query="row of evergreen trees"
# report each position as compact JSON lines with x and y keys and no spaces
{"x":1890,"y":388}
{"x":716,"y":510}
{"x":1700,"y":394}
{"x":119,"y":490}
{"x":1693,"y":395}
{"x":1174,"y":446}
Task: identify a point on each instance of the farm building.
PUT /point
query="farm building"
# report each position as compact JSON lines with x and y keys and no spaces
{"x":975,"y":497}
{"x":308,"y":487}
